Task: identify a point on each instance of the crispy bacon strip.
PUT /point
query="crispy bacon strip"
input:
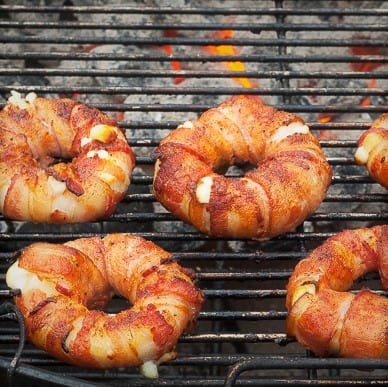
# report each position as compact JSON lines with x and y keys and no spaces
{"x":323,"y":315}
{"x":372,"y":150}
{"x":34,"y":132}
{"x":62,"y":286}
{"x":288,"y":184}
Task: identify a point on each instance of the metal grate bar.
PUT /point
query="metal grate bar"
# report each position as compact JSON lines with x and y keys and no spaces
{"x":69,"y":72}
{"x":255,"y":11}
{"x":158,"y":41}
{"x":200,"y":108}
{"x":246,"y":365}
{"x":199,"y":91}
{"x":196,"y":27}
{"x":198,"y":58}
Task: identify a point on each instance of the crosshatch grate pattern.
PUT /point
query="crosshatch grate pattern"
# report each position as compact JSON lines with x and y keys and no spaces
{"x":154,"y":64}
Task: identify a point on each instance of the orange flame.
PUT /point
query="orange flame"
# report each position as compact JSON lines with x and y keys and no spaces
{"x":325,"y":119}
{"x":90,"y":47}
{"x":367,"y":66}
{"x":224,"y":49}
{"x":366,"y":101}
{"x":324,"y":134}
{"x":361,"y":67}
{"x":365,"y":50}
{"x":167,"y":48}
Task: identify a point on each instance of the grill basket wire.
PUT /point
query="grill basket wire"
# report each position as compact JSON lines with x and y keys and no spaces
{"x":152,"y":65}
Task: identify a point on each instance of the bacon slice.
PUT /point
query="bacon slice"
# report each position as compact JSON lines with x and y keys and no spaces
{"x":323,"y":315}
{"x":65,"y":286}
{"x":372,"y":150}
{"x":34,"y":132}
{"x":288,"y":183}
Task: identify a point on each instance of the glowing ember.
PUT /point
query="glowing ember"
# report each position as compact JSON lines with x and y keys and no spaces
{"x":365,"y":50}
{"x":167,"y":48}
{"x":236,"y":66}
{"x":361,"y":67}
{"x":90,"y":47}
{"x":325,"y":119}
{"x":367,"y":66}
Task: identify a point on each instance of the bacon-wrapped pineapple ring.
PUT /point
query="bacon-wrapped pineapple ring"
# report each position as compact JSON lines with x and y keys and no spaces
{"x":323,"y":315}
{"x":34,"y":134}
{"x":372,"y":150}
{"x":288,"y":185}
{"x":61,"y":283}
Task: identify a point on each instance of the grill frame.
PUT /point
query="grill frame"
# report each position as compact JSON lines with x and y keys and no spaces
{"x":223,"y":281}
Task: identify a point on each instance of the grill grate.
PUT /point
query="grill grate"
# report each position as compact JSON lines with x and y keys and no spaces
{"x":151,"y":65}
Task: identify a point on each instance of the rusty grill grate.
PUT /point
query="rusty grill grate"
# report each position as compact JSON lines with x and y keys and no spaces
{"x":153,"y":64}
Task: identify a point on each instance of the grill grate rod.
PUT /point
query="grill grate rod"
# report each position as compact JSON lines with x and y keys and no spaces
{"x":194,"y":26}
{"x":197,"y":58}
{"x":160,"y":41}
{"x":311,"y":363}
{"x":198,"y":90}
{"x":156,"y":236}
{"x":193,"y":73}
{"x":196,"y":11}
{"x":198,"y":108}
